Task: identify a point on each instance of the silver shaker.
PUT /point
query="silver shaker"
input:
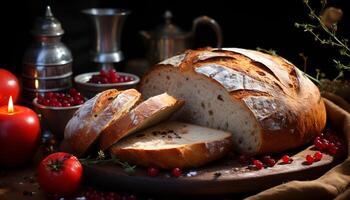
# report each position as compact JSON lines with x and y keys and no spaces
{"x":47,"y":63}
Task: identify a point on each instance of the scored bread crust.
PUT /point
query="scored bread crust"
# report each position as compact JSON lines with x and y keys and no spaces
{"x":144,"y":115}
{"x":286,"y":108}
{"x":191,"y":155}
{"x":95,"y":115}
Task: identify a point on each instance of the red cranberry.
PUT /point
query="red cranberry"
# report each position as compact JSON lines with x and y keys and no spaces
{"x":49,"y":95}
{"x":271,"y":162}
{"x":152,"y":171}
{"x":265,"y":159}
{"x":121,"y":79}
{"x":317,"y":156}
{"x":330,"y":145}
{"x":46,"y":102}
{"x":73,"y":91}
{"x":319,"y":144}
{"x":328,"y":142}
{"x":79,"y":102}
{"x":309,"y":159}
{"x":103,"y":73}
{"x":66,"y":104}
{"x":176,"y":172}
{"x":113,"y":80}
{"x":286,"y":159}
{"x":258,"y":164}
{"x":325,"y":142}
{"x":57,"y":99}
{"x":128,"y":78}
{"x":333,"y":150}
{"x":110,"y":76}
{"x":104,"y":80}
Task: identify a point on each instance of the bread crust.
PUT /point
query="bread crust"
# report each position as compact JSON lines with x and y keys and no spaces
{"x":287,"y":106}
{"x":94,"y":115}
{"x":131,"y":121}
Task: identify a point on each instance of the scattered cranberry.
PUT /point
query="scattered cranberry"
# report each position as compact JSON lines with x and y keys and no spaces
{"x":110,"y":76}
{"x":265,"y":159}
{"x":309,"y":159}
{"x":271,"y":162}
{"x":328,"y":142}
{"x":92,"y":194}
{"x":317,"y":156}
{"x":333,"y":150}
{"x":152,"y":171}
{"x":176,"y":172}
{"x":258,"y":164}
{"x":319,"y":144}
{"x":286,"y":159}
{"x":57,"y":99}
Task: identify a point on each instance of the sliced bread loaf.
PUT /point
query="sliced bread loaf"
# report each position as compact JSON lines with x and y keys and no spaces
{"x":144,"y":115}
{"x":264,"y":100}
{"x":173,"y":144}
{"x":95,"y":115}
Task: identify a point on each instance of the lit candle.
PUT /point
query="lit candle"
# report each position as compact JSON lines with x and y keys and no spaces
{"x":19,"y":134}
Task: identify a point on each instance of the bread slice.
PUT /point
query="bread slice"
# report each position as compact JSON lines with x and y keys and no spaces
{"x":146,"y":114}
{"x":174,"y":144}
{"x":95,"y":115}
{"x":80,"y":122}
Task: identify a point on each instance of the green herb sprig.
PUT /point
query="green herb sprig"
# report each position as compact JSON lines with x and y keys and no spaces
{"x":101,"y":159}
{"x":330,"y":39}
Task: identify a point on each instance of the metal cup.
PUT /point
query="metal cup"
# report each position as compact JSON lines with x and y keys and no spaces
{"x":108,"y":24}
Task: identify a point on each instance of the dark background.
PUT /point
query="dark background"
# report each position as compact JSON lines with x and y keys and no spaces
{"x":246,"y":24}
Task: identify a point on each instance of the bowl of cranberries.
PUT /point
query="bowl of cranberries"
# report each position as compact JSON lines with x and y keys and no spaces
{"x":57,"y":108}
{"x":95,"y":82}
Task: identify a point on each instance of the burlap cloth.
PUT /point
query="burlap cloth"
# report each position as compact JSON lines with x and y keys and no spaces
{"x":335,"y":184}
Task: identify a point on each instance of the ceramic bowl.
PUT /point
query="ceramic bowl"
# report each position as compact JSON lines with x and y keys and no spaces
{"x":55,"y":118}
{"x":91,"y":89}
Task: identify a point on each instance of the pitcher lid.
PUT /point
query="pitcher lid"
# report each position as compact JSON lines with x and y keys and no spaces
{"x":47,"y":25}
{"x":168,"y":29}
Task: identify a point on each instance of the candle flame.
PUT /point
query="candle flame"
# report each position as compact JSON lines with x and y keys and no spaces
{"x":10,"y":105}
{"x":36,"y":84}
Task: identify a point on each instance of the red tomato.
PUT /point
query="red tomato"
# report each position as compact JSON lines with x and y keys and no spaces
{"x":60,"y":173}
{"x":9,"y":86}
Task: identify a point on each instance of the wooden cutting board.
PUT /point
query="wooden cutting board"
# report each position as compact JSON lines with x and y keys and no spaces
{"x":221,"y":177}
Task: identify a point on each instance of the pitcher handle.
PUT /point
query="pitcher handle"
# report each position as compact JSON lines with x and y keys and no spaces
{"x":213,"y":24}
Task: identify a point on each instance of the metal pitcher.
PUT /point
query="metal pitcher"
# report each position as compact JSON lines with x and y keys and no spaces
{"x":168,"y":40}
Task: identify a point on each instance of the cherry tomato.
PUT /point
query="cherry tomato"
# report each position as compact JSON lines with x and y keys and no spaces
{"x":60,"y":173}
{"x":9,"y":86}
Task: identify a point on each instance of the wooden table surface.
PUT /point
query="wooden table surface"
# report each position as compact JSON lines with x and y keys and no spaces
{"x":20,"y":184}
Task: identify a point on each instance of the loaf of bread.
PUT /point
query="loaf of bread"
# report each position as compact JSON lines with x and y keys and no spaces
{"x":144,"y":115}
{"x":95,"y":115}
{"x":173,"y":144}
{"x":266,"y":102}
